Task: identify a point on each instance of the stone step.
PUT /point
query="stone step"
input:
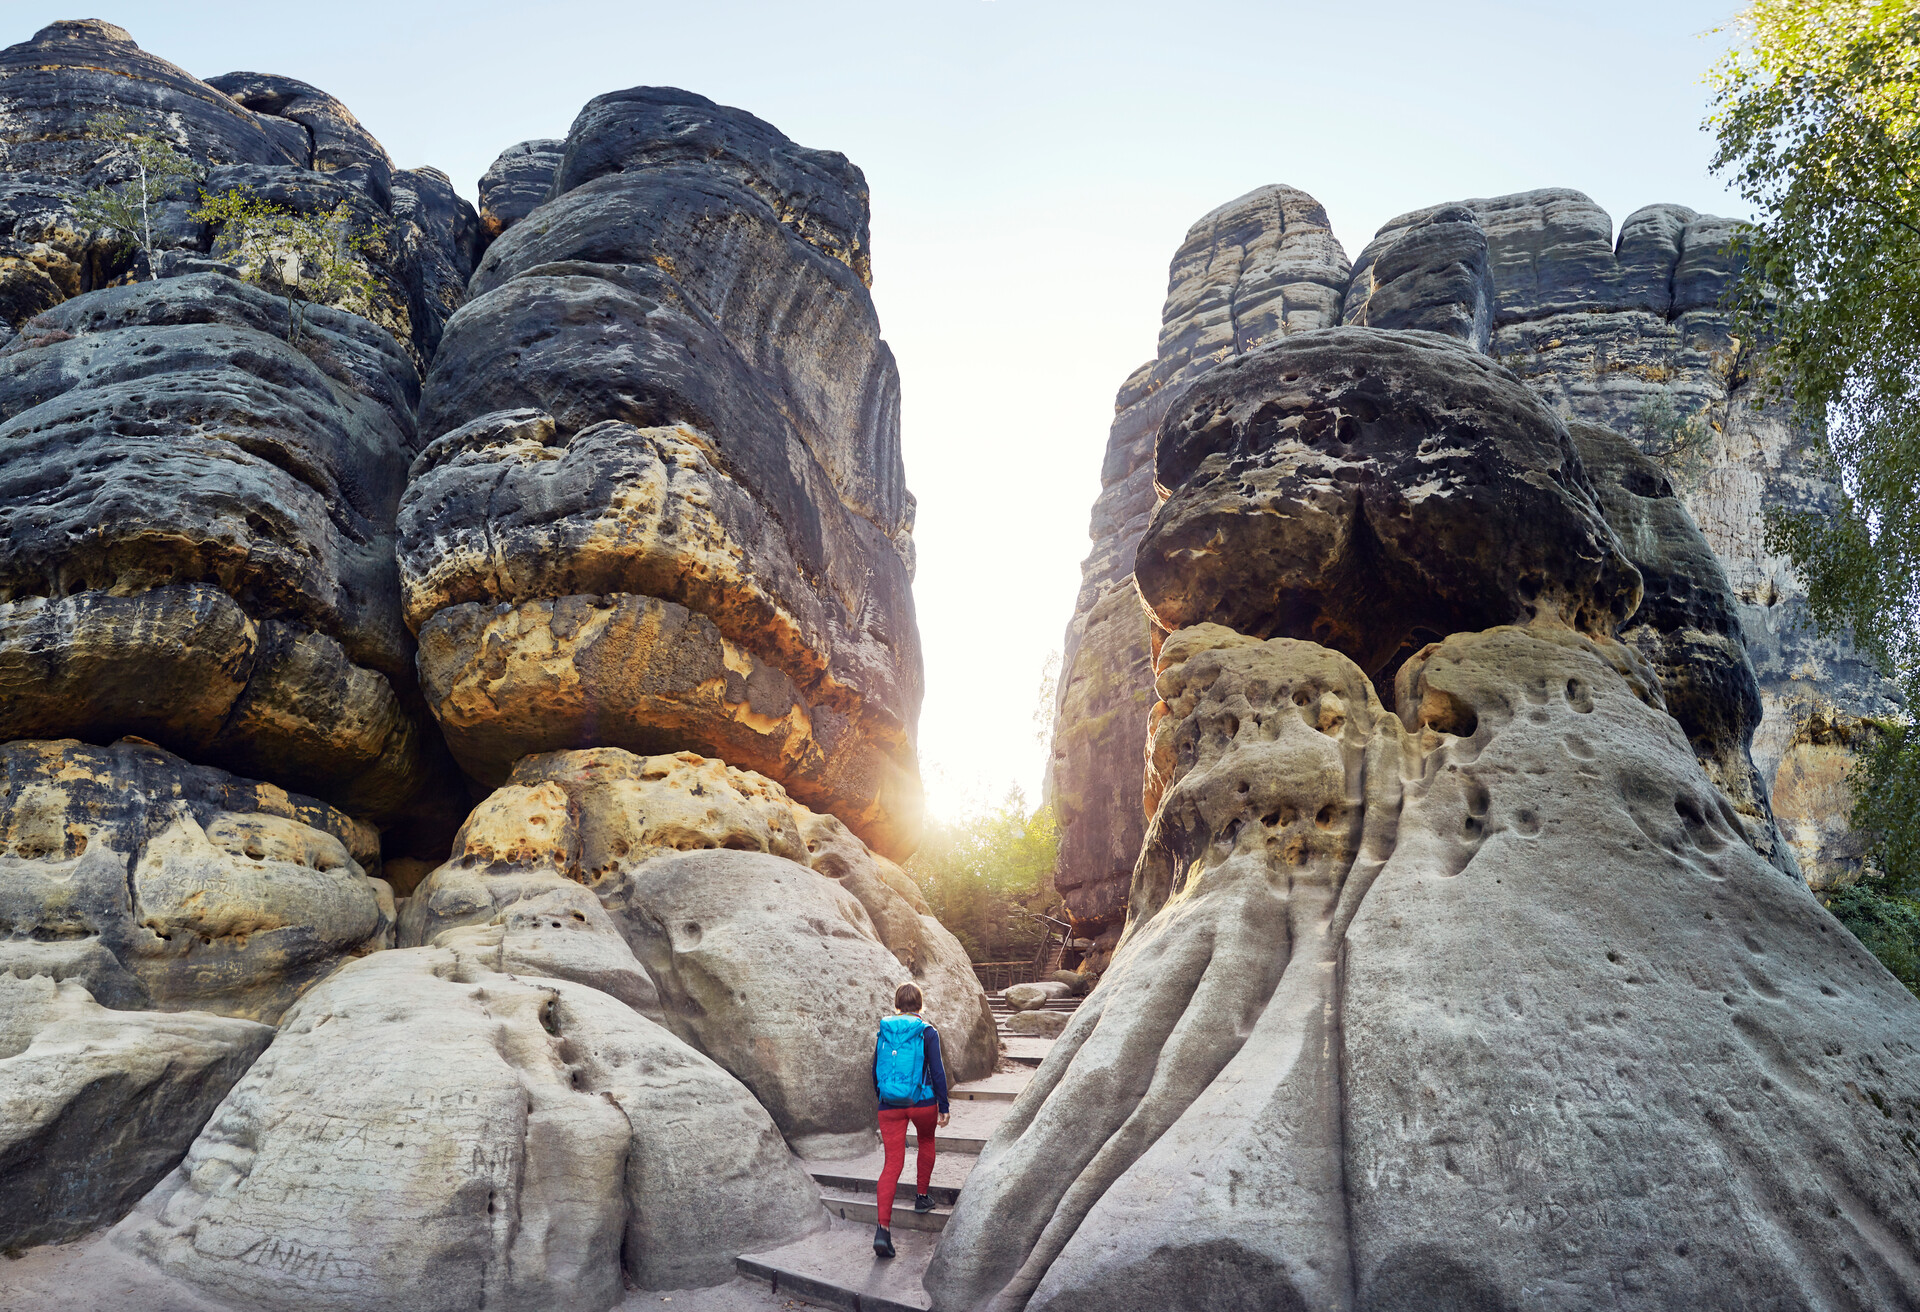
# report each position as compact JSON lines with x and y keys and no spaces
{"x":853,"y":1205}
{"x":861,"y":1175}
{"x":1025,"y":1050}
{"x":1002,"y":1087}
{"x":838,"y":1268}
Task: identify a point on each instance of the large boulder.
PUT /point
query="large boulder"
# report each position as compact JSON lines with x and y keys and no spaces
{"x":1374,"y":491}
{"x":774,"y":937}
{"x":713,"y":457}
{"x":1489,"y":1001}
{"x":1626,"y":330}
{"x":427,"y":1131}
{"x":97,"y":1105}
{"x":196,"y":543}
{"x":210,"y":892}
{"x":517,"y":183}
{"x":1256,"y":268}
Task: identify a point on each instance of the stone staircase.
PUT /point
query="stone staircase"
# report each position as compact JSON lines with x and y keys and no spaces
{"x":837,"y":1268}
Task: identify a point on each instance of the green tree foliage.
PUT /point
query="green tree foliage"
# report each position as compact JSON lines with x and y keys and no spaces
{"x":1887,"y":926}
{"x":987,"y":876}
{"x":157,"y":171}
{"x":1818,"y":124}
{"x":306,"y":258}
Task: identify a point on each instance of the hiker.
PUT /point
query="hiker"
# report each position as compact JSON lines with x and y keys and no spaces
{"x":912,"y":1083}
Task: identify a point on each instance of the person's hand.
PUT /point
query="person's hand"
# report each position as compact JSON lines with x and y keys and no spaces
{"x":944,"y":1118}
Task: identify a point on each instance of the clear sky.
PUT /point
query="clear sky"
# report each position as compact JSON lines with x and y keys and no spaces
{"x":1032,"y":165}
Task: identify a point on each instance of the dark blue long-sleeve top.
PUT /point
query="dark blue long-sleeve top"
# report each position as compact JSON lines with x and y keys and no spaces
{"x":931,"y":1037}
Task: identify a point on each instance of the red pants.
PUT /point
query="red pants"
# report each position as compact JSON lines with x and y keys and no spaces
{"x":893,"y":1133}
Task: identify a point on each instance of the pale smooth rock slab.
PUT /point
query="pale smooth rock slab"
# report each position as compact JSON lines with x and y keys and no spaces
{"x":97,"y":1105}
{"x":1491,"y":999}
{"x":427,"y":1132}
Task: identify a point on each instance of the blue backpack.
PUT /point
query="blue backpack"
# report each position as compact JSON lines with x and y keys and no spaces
{"x":902,"y":1065}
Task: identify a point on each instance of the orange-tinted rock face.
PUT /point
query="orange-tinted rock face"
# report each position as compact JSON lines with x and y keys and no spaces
{"x":661,"y":505}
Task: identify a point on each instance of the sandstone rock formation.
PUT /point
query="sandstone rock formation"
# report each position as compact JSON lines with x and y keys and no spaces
{"x":97,"y":1105}
{"x":774,"y":937}
{"x":1626,"y":332}
{"x":285,"y":140}
{"x":211,"y":892}
{"x":1373,"y":491}
{"x":581,"y":1058}
{"x":428,"y":1131}
{"x":671,"y":394}
{"x":196,"y":543}
{"x":1254,"y":269}
{"x":1481,"y":992}
{"x":1621,"y":333}
{"x":517,"y":183}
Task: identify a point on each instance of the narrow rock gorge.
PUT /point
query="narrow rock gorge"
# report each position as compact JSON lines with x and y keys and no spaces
{"x":455,"y":754}
{"x":458,"y":748}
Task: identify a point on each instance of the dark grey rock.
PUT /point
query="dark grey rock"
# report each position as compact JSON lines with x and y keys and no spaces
{"x":517,"y":183}
{"x":336,"y":141}
{"x":446,"y":245}
{"x":1430,"y":274}
{"x":70,"y":73}
{"x":1687,"y":626}
{"x":1374,"y":491}
{"x":701,"y":281}
{"x":196,"y":543}
{"x":819,"y":194}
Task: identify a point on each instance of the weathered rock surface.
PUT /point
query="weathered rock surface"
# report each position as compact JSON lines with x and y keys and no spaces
{"x":777,"y":967}
{"x":213,"y":893}
{"x":1627,"y":333}
{"x":1431,"y":274}
{"x":1374,"y":491}
{"x":690,"y":322}
{"x":1403,"y":1012}
{"x":667,"y":607}
{"x":517,"y":183}
{"x":1687,"y":626}
{"x":196,"y":543}
{"x":1254,"y":269}
{"x":97,"y":1105}
{"x":445,"y":244}
{"x":1623,"y":332}
{"x":283,"y":139}
{"x":426,"y":1130}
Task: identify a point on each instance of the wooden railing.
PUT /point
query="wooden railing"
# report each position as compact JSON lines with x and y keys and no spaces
{"x":997,"y":975}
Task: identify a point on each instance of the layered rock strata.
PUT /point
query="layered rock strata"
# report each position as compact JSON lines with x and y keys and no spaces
{"x":517,"y":183}
{"x":196,"y":543}
{"x":1408,"y":984}
{"x":661,"y":504}
{"x":1251,"y":271}
{"x":280,"y":138}
{"x":1622,"y":333}
{"x":204,"y":890}
{"x":773,"y":935}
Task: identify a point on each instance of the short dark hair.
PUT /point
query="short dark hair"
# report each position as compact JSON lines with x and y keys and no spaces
{"x":907,"y":998}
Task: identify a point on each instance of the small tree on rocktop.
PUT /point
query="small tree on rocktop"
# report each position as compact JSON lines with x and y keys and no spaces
{"x":160,"y":170}
{"x":306,"y":258}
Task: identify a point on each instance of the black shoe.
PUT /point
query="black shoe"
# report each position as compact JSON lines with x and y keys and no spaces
{"x":882,"y":1242}
{"x":923,"y":1202}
